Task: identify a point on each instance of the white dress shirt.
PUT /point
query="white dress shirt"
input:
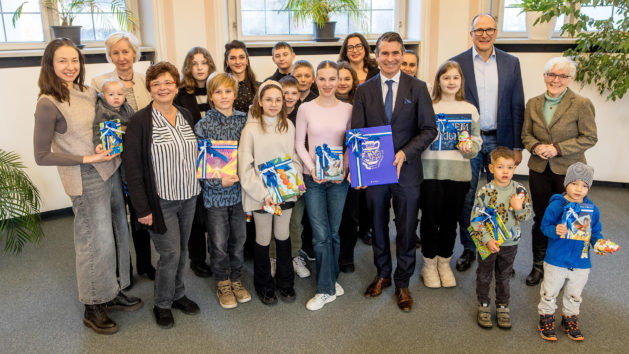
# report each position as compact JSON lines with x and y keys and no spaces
{"x":385,"y":87}
{"x":486,"y":75}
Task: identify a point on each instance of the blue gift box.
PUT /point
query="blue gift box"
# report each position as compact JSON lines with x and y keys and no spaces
{"x":329,"y":162}
{"x":450,"y":126}
{"x":111,"y":136}
{"x":371,"y":155}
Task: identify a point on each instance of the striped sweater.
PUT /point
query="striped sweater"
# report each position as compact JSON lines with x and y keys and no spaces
{"x":452,"y":164}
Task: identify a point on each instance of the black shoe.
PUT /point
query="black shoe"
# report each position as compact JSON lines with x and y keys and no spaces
{"x":200,"y":269}
{"x":149,"y":272}
{"x":418,"y":242}
{"x":570,"y":325}
{"x":124,"y":302}
{"x":186,"y":306}
{"x":546,"y":327}
{"x":267,"y":296}
{"x":347,"y":268}
{"x":465,"y":261}
{"x":95,"y":317}
{"x":534,"y":277}
{"x":163,"y":317}
{"x":366,"y":237}
{"x":287,"y":294}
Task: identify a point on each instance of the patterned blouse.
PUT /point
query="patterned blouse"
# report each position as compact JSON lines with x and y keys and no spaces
{"x":174,"y":152}
{"x":215,"y":125}
{"x":244,"y":98}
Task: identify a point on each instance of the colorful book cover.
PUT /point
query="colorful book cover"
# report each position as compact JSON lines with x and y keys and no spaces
{"x":111,"y":136}
{"x":329,"y":162}
{"x":578,"y":219}
{"x":371,"y":154}
{"x":450,"y":128}
{"x":282,"y":179}
{"x":217,"y":158}
{"x":492,"y":223}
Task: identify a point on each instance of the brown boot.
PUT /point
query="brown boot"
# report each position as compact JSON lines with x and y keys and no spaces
{"x":96,"y":318}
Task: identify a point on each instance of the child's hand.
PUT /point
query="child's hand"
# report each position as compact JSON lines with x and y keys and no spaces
{"x":269,"y":202}
{"x":561,"y":230}
{"x":516,"y":202}
{"x":229,"y":181}
{"x":464,"y":148}
{"x":492,"y":246}
{"x":314,"y":178}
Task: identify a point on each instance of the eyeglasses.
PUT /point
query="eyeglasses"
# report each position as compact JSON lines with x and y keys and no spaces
{"x":157,"y":84}
{"x":553,"y":76}
{"x":358,"y":47}
{"x":480,"y":31}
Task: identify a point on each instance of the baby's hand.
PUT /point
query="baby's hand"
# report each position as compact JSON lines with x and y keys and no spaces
{"x":229,"y":181}
{"x":516,"y":202}
{"x":492,"y":246}
{"x":561,"y":230}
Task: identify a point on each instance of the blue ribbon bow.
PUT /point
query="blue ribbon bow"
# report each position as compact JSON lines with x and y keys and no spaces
{"x":108,"y":131}
{"x":444,"y":126}
{"x":571,"y":213}
{"x":490,"y":215}
{"x":324,"y":155}
{"x":205,"y":149}
{"x":268,"y":171}
{"x":355,"y":140}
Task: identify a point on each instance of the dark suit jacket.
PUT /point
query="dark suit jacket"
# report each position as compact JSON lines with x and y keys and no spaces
{"x":510,"y":95}
{"x":412,"y":123}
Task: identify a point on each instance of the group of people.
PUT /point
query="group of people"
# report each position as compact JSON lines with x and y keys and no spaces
{"x":166,"y":116}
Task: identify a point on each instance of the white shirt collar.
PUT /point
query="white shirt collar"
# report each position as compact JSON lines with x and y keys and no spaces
{"x":475,"y":53}
{"x":395,"y":78}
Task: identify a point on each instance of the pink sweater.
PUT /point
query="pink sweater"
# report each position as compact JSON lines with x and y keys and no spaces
{"x":324,"y":125}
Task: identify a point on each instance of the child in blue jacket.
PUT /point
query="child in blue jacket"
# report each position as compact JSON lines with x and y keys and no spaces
{"x":572,"y":224}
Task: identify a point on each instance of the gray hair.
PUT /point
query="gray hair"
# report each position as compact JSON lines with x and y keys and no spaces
{"x":117,"y":37}
{"x":111,"y":81}
{"x":479,"y":16}
{"x":561,"y":63}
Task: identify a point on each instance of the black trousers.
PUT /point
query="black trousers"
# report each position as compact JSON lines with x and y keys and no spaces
{"x":197,"y":244}
{"x":543,"y":186}
{"x":502,"y":263}
{"x":141,"y":240}
{"x":441,"y":203}
{"x":405,"y":207}
{"x":356,"y":221}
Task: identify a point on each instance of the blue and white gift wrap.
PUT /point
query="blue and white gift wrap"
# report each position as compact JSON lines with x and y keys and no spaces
{"x":111,"y":136}
{"x":371,"y":154}
{"x":329,"y":162}
{"x":450,"y":127}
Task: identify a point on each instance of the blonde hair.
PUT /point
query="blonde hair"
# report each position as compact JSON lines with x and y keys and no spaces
{"x":117,"y":37}
{"x":256,"y":110}
{"x":221,"y":79}
{"x":111,"y":81}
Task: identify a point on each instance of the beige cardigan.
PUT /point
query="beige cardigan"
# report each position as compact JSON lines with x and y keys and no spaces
{"x":572,"y":130}
{"x":142,"y":95}
{"x":257,"y":147}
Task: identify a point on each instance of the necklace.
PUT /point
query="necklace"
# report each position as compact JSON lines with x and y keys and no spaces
{"x":126,"y":80}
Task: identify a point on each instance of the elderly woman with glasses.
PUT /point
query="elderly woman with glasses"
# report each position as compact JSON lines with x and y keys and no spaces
{"x":558,"y":128}
{"x":160,"y":164}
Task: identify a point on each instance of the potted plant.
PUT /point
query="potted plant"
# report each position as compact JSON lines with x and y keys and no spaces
{"x":67,"y":10}
{"x":602,"y":46}
{"x":319,"y":11}
{"x":19,"y":205}
{"x":536,"y":28}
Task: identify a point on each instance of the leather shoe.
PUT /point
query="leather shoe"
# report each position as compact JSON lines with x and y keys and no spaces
{"x":465,"y":261}
{"x":534,"y":277}
{"x":124,"y":302}
{"x":186,"y":306}
{"x":96,"y":318}
{"x":163,"y":317}
{"x":200,"y":269}
{"x":404,"y":299}
{"x":287,"y":294}
{"x":267,"y":296}
{"x":347,"y":268}
{"x":375,"y":288}
{"x":366,"y":237}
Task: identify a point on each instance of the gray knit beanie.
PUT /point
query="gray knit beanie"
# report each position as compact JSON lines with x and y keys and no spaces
{"x":579,"y":171}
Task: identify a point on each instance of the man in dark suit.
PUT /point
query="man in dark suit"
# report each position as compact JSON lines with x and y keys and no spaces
{"x":394,"y":98}
{"x":493,"y":83}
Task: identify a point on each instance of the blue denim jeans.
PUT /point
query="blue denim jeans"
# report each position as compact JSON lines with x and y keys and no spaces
{"x":101,"y":237}
{"x":324,"y":204}
{"x":479,"y":164}
{"x":227,"y":232}
{"x":172,"y":247}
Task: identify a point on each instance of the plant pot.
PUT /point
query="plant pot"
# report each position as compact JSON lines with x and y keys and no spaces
{"x":543,"y":30}
{"x":325,"y":33}
{"x":71,"y":32}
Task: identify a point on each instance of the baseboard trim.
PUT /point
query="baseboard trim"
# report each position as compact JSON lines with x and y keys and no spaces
{"x":596,"y":182}
{"x":46,"y":215}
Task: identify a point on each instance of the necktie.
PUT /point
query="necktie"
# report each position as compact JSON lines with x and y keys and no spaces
{"x":388,"y":101}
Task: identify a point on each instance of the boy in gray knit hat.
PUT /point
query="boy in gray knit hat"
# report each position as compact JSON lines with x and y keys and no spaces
{"x":572,"y":224}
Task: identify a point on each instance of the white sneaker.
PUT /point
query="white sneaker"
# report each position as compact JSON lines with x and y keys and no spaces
{"x":339,"y":289}
{"x":299,"y":265}
{"x":273,"y":266}
{"x":318,"y":301}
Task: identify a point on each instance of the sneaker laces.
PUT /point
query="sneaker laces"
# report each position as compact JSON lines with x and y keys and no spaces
{"x":571,"y":323}
{"x":548,"y":323}
{"x":225,"y":289}
{"x":237,"y":286}
{"x":301,"y":261}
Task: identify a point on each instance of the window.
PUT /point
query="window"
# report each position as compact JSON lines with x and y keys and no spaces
{"x":512,"y":23}
{"x":602,"y":13}
{"x":264,"y":20}
{"x":29,"y":28}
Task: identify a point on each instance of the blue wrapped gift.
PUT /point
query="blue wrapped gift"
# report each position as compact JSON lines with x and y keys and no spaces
{"x":111,"y":136}
{"x":371,"y":154}
{"x":450,"y":127}
{"x":329,"y":162}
